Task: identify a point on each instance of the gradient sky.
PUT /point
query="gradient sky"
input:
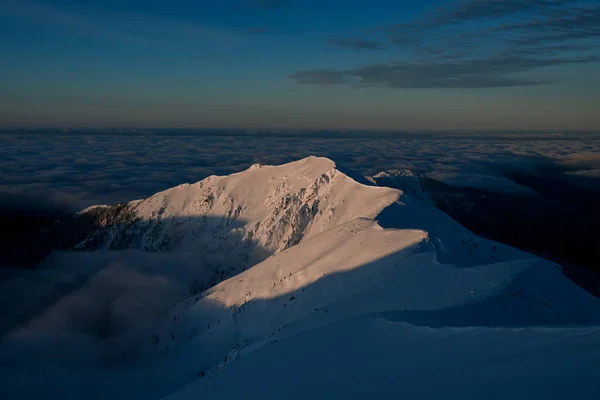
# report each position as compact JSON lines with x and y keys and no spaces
{"x":308,"y":64}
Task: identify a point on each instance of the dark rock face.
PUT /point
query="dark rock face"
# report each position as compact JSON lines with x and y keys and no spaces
{"x":28,"y":238}
{"x":550,"y":227}
{"x":89,"y":230}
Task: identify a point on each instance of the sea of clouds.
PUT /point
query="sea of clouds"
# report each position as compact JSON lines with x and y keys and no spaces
{"x":73,"y":171}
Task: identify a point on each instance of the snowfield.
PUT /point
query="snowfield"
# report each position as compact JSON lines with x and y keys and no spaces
{"x":372,"y":356}
{"x":303,"y":283}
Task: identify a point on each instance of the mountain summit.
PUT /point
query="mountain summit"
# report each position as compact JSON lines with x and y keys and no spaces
{"x":231,"y":222}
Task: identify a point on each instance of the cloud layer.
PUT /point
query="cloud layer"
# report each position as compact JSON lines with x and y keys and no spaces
{"x":475,"y":44}
{"x":459,"y":74}
{"x":359,"y":44}
{"x":78,"y":170}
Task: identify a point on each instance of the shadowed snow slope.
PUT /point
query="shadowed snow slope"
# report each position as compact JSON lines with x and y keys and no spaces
{"x":359,"y":290}
{"x":373,"y":357}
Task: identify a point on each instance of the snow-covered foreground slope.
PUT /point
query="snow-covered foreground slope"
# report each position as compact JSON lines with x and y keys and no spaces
{"x":372,"y":357}
{"x":359,"y":291}
{"x":277,"y":327}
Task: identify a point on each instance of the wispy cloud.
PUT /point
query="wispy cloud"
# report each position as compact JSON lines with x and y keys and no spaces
{"x":462,"y":11}
{"x":481,"y":73}
{"x":472,"y":28}
{"x":322,"y":77}
{"x":475,"y":44}
{"x":359,"y":44}
{"x":578,"y":23}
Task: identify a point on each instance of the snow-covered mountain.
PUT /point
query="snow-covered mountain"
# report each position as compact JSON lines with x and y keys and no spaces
{"x":272,"y":207}
{"x":315,"y":285}
{"x":231,"y":222}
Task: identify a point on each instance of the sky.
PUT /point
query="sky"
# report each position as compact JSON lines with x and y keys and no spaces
{"x":311,"y":64}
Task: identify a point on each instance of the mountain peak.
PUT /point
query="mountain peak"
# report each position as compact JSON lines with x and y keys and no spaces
{"x":232,"y":222}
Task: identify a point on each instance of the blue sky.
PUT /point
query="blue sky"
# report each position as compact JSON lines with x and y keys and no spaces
{"x":328,"y":64}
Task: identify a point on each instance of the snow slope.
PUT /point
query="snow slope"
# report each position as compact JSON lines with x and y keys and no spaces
{"x":372,"y":357}
{"x":357,"y":290}
{"x":406,"y":286}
